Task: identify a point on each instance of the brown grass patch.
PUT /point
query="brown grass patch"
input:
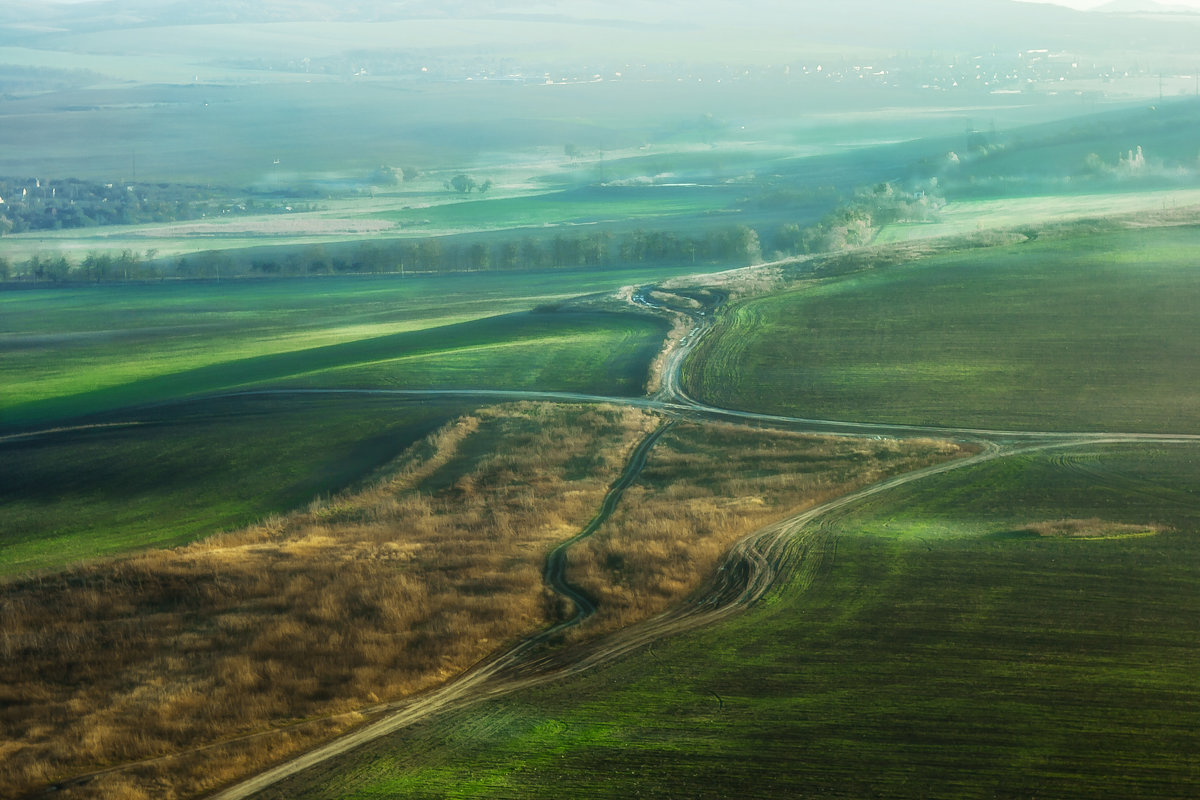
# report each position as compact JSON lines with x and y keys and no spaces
{"x":676,"y":300}
{"x":234,"y":652}
{"x":1094,"y":528}
{"x":705,"y":487}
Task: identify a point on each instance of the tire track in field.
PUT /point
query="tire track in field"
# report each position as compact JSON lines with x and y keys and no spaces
{"x":555,"y":573}
{"x":1092,"y":470}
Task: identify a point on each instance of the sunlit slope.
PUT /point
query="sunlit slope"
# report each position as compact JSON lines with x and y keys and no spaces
{"x":938,"y":651}
{"x":1089,"y":333}
{"x":76,"y":352}
{"x":599,"y":353}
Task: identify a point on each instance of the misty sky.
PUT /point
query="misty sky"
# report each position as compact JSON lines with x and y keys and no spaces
{"x":1085,"y":4}
{"x":1079,"y":4}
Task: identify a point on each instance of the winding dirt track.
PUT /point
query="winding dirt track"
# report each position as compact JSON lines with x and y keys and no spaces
{"x":555,"y":573}
{"x":794,"y":546}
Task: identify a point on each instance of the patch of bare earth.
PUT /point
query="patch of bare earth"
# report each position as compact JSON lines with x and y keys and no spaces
{"x":1093,"y":528}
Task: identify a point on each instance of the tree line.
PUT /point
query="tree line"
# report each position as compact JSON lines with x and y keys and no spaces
{"x":737,"y":244}
{"x":855,"y":223}
{"x":732,"y":245}
{"x":852,"y":225}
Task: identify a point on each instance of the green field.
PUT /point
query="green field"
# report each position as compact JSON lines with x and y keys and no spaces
{"x":186,"y":471}
{"x":591,"y":353}
{"x":72,"y":352}
{"x":565,"y":208}
{"x":940,"y":652}
{"x":605,"y":354}
{"x":1090,"y":332}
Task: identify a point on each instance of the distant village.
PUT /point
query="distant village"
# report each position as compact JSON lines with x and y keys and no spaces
{"x":1027,"y":71}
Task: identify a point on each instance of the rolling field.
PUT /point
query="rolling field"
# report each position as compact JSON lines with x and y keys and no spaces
{"x":153,"y":468}
{"x":571,"y":207}
{"x":590,"y":353}
{"x":1082,"y":333}
{"x":603,"y":354}
{"x":462,"y":531}
{"x":117,"y":346}
{"x":934,"y":647}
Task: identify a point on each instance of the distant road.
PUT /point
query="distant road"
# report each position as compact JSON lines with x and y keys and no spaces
{"x":682,"y":404}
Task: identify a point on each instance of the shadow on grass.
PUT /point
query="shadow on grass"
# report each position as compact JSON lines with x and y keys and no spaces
{"x":524,"y":327}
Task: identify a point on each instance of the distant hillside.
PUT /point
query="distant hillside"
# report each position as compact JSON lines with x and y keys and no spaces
{"x":946,"y":25}
{"x":1143,"y":7}
{"x":1135,"y":148}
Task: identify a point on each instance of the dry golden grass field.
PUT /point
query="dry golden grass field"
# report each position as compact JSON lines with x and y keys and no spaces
{"x":175,"y":671}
